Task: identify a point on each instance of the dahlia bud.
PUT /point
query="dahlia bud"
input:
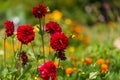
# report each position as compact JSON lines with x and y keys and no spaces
{"x":61,"y":55}
{"x":23,"y":57}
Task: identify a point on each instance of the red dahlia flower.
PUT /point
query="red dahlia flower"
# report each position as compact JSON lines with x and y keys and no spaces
{"x":9,"y":25}
{"x":23,"y":57}
{"x":59,"y":41}
{"x":25,"y":34}
{"x":39,"y":11}
{"x":52,"y":27}
{"x":47,"y":70}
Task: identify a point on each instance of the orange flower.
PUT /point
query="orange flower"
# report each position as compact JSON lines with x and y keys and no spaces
{"x":86,"y":39}
{"x":100,"y":61}
{"x":104,"y":67}
{"x":78,"y":29}
{"x":107,"y":61}
{"x":69,"y":70}
{"x":79,"y":62}
{"x":72,"y":57}
{"x":88,"y":60}
{"x":57,"y":64}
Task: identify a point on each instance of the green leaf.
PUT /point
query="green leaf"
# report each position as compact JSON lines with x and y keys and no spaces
{"x":25,"y":69}
{"x":5,"y":72}
{"x":93,"y":75}
{"x":60,"y":72}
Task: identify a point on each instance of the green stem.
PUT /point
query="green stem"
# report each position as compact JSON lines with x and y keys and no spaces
{"x":21,"y":47}
{"x":59,"y":63}
{"x":77,"y":75}
{"x":42,"y":37}
{"x":43,"y":46}
{"x":54,"y":56}
{"x":13,"y":47}
{"x":33,"y":52}
{"x":5,"y":52}
{"x":49,"y":52}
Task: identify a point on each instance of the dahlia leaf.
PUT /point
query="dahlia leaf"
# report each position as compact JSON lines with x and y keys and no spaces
{"x":60,"y":72}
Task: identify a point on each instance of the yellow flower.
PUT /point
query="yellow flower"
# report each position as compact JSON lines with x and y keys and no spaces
{"x":81,"y":37}
{"x":112,"y":24}
{"x":50,"y":49}
{"x":8,"y":45}
{"x":73,"y":36}
{"x":68,"y":21}
{"x":71,"y":49}
{"x":17,"y":45}
{"x":79,"y":62}
{"x":36,"y":29}
{"x":57,"y":15}
{"x":37,"y":78}
{"x":8,"y":55}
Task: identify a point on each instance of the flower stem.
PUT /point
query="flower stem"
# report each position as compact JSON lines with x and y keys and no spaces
{"x":43,"y":46}
{"x":21,"y":47}
{"x":49,"y":52}
{"x":5,"y":52}
{"x":33,"y":52}
{"x":59,"y":63}
{"x":13,"y":47}
{"x":42,"y":37}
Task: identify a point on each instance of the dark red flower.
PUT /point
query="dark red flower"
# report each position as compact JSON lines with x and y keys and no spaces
{"x":47,"y":70}
{"x":39,"y":11}
{"x":25,"y":34}
{"x":9,"y":25}
{"x":23,"y":57}
{"x":52,"y":27}
{"x":61,"y":55}
{"x":59,"y":41}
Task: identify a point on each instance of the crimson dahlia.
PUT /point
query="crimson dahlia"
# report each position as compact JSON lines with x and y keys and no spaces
{"x":59,"y":41}
{"x":39,"y":11}
{"x":9,"y":25}
{"x":25,"y":34}
{"x":47,"y":70}
{"x":52,"y":27}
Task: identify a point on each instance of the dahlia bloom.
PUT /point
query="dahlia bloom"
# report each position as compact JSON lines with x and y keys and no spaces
{"x":52,"y":27}
{"x":59,"y":41}
{"x":9,"y":25}
{"x":39,"y":11}
{"x":47,"y":70}
{"x":23,"y":57}
{"x":25,"y":34}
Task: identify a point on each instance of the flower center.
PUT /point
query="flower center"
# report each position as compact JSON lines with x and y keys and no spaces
{"x":27,"y":32}
{"x":39,"y":11}
{"x":60,"y":41}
